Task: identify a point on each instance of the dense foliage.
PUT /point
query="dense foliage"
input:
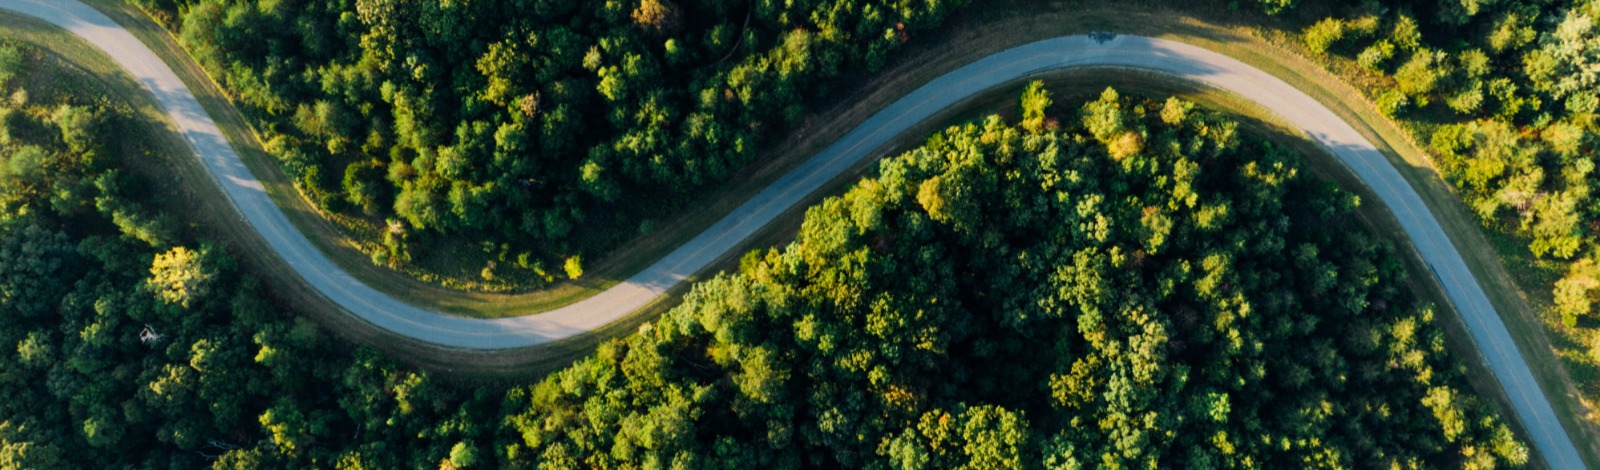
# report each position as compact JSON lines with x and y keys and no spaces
{"x":124,"y":345}
{"x":1123,"y":299}
{"x":526,"y":124}
{"x":535,"y":129}
{"x":1506,"y":95}
{"x":1140,"y":289}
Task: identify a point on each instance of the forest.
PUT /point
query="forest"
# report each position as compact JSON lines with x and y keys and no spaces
{"x":1108,"y":288}
{"x":545,"y":131}
{"x":130,"y":344}
{"x":1120,"y":300}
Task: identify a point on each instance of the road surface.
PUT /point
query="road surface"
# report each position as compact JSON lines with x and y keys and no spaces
{"x":1168,"y":57}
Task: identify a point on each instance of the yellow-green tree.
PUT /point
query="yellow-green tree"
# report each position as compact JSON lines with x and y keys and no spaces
{"x":180,"y":276}
{"x":1575,"y":293}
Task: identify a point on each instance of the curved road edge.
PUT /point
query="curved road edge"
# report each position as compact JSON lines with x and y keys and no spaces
{"x":1169,"y":57}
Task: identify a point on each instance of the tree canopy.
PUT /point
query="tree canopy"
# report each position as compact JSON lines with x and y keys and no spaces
{"x":1505,"y":94}
{"x":998,"y":298}
{"x":533,"y":126}
{"x":124,"y":343}
{"x":1180,"y":305}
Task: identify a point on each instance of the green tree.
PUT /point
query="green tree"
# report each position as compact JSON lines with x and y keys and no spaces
{"x":1420,"y":75}
{"x":79,"y":126}
{"x":1376,"y":56}
{"x":1557,"y":225}
{"x":20,"y":450}
{"x":12,"y":64}
{"x":1568,"y":59}
{"x":1324,"y":34}
{"x":364,"y":187}
{"x":1035,"y":101}
{"x":33,"y":259}
{"x":1576,"y":293}
{"x":181,"y":276}
{"x":287,"y":426}
{"x":29,"y":165}
{"x":978,"y":437}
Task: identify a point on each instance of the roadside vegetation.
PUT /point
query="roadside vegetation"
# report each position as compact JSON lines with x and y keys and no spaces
{"x":1505,"y":96}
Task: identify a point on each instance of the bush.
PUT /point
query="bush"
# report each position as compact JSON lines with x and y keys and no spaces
{"x":1319,"y":37}
{"x":1376,"y":56}
{"x":573,"y":267}
{"x":1391,"y":102}
{"x":1418,"y":77}
{"x":11,"y":64}
{"x":1468,"y":99}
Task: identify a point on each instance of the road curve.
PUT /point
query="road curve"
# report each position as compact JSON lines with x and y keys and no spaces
{"x":1173,"y":58}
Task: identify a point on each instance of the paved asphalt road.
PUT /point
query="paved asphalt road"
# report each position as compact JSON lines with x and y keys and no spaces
{"x":1167,"y":57}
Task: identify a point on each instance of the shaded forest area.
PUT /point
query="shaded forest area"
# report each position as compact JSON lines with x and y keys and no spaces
{"x":1121,"y":299}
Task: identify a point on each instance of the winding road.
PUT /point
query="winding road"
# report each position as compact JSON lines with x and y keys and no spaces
{"x":1167,"y":57}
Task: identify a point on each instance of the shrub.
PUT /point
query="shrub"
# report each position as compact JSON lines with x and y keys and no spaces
{"x":1319,"y":37}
